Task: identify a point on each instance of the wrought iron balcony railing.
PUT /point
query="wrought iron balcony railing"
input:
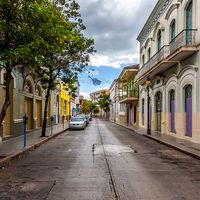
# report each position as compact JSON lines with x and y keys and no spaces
{"x":186,"y":37}
{"x":154,"y":60}
{"x":129,"y":94}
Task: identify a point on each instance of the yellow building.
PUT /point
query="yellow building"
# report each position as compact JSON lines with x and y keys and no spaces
{"x":65,"y":101}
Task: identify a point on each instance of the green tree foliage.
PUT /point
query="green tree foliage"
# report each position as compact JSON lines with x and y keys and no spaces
{"x":104,"y":102}
{"x":44,"y":35}
{"x":72,"y":54}
{"x":27,"y":36}
{"x":94,"y":108}
{"x":19,"y":25}
{"x":86,"y":106}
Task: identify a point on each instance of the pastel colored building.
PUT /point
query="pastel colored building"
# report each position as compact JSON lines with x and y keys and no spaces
{"x":170,"y":59}
{"x":65,"y":102}
{"x":27,"y":96}
{"x":128,"y":96}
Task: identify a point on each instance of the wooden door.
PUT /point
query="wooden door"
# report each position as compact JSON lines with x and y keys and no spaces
{"x":39,"y":113}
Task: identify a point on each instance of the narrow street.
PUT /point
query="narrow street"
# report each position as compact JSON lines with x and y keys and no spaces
{"x":103,"y":162}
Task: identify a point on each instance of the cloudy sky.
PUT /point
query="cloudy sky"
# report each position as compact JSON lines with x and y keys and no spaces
{"x":114,"y":25}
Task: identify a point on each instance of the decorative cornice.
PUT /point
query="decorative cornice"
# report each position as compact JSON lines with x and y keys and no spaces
{"x":157,"y":12}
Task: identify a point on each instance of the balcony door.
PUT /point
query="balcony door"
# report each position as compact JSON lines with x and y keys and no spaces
{"x":189,"y":23}
{"x":158,"y":110}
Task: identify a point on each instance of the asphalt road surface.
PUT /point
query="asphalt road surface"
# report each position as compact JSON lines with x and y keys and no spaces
{"x":104,"y":162}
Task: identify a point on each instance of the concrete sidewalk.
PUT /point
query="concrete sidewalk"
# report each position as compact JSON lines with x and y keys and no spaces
{"x":12,"y":148}
{"x":185,"y":146}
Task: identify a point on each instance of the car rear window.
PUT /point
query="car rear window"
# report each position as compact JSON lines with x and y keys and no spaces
{"x":77,"y":119}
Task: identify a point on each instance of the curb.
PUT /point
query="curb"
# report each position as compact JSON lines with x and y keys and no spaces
{"x":194,"y":155}
{"x":174,"y":146}
{"x":7,"y":161}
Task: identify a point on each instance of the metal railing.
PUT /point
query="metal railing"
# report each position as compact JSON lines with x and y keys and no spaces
{"x":155,"y":59}
{"x":187,"y":37}
{"x":129,"y":94}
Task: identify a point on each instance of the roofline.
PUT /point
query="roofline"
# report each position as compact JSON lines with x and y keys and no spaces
{"x":148,"y":19}
{"x":136,"y":67}
{"x":160,"y":3}
{"x":112,"y":84}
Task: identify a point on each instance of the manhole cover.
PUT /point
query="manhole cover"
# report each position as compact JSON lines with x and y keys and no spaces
{"x":111,"y":149}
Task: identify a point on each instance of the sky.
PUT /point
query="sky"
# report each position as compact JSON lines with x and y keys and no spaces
{"x":114,"y":25}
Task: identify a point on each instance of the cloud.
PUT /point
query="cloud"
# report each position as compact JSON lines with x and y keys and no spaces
{"x":114,"y":25}
{"x":115,"y":62}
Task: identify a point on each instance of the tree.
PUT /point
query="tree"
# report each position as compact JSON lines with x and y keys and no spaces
{"x":71,"y":56}
{"x":24,"y":26}
{"x":86,"y":106}
{"x":94,"y":108}
{"x":104,"y":102}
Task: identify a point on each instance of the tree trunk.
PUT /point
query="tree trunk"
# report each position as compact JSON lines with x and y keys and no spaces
{"x":7,"y":97}
{"x":45,"y":113}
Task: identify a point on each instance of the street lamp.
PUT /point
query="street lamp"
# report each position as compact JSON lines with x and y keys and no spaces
{"x":148,"y":83}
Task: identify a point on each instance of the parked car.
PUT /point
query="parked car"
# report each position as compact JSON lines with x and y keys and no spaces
{"x":86,"y":118}
{"x":78,"y":122}
{"x":90,"y":117}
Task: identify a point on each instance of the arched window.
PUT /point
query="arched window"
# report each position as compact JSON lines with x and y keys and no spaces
{"x":28,"y":87}
{"x":38,"y":90}
{"x":189,"y":25}
{"x":159,"y":39}
{"x":188,"y":94}
{"x":149,"y":53}
{"x":173,"y":30}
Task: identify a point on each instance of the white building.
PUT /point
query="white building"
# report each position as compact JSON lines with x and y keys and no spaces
{"x":113,"y":91}
{"x":170,"y":59}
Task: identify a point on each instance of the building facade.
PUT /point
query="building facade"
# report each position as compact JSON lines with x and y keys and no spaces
{"x":28,"y":97}
{"x":170,"y":60}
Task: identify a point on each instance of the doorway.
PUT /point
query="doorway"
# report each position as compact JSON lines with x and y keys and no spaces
{"x":188,"y":110}
{"x":158,"y":110}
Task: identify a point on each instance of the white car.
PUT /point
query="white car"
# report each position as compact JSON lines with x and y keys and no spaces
{"x":77,"y":123}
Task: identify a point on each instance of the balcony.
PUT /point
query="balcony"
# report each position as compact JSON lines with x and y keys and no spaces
{"x":154,"y":65}
{"x":129,"y":96}
{"x":183,"y":45}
